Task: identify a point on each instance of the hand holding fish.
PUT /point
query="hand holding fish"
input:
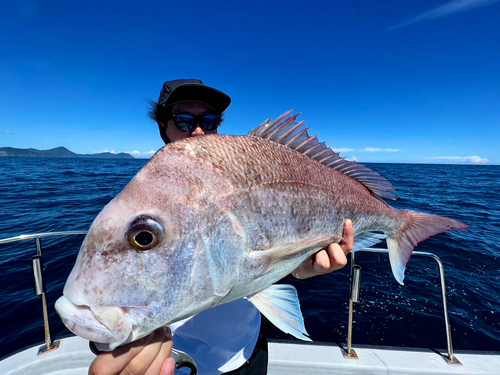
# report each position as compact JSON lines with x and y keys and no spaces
{"x":147,"y":356}
{"x":329,"y":259}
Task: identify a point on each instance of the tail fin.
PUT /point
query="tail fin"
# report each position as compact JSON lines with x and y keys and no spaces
{"x":417,"y":227}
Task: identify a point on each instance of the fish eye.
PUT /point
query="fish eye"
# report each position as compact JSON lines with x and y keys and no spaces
{"x":145,"y":232}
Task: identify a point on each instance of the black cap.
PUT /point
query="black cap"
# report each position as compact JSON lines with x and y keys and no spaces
{"x":193,"y":90}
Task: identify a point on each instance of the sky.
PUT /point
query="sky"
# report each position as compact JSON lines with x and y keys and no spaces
{"x":411,"y":81}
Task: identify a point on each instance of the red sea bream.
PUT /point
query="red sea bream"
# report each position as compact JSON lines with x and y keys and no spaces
{"x":215,"y":218}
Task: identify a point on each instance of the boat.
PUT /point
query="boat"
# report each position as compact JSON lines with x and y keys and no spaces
{"x":73,"y":355}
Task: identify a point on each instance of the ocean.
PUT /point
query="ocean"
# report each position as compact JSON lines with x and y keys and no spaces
{"x":56,"y":194}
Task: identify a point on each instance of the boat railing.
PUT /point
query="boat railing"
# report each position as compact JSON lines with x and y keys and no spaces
{"x":355,"y":279}
{"x":38,"y":274}
{"x":182,"y":360}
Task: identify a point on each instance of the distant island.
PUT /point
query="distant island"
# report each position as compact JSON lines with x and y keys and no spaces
{"x":59,"y":152}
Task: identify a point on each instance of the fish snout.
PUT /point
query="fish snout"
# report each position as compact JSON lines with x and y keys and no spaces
{"x":102,"y":324}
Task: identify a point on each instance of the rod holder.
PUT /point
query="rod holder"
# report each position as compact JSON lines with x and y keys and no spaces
{"x":355,"y":283}
{"x":37,"y":264}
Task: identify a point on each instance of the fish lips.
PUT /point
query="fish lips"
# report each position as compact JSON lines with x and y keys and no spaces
{"x":103,"y":324}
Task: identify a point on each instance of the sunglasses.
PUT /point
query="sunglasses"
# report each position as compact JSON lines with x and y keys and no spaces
{"x":186,"y":123}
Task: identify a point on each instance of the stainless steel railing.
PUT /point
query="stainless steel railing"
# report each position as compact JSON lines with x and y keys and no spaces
{"x":355,"y":277}
{"x":181,"y":359}
{"x":38,"y":274}
{"x":37,"y":236}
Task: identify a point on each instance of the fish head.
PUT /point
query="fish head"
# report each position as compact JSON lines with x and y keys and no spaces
{"x":144,"y":261}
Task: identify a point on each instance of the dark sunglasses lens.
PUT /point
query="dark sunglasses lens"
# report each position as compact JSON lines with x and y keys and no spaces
{"x":211,"y":122}
{"x":184,"y":122}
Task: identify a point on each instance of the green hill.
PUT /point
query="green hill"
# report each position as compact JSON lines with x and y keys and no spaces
{"x":58,"y":152}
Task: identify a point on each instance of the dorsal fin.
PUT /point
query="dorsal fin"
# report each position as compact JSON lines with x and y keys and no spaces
{"x":286,"y":131}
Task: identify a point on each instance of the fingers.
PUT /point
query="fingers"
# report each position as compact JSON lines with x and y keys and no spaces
{"x":162,"y":355}
{"x":330,"y":259}
{"x":111,"y":363}
{"x":168,"y":367}
{"x":334,"y":256}
{"x":322,"y":261}
{"x":141,"y":357}
{"x":347,"y":244}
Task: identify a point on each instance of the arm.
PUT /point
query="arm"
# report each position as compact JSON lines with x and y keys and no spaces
{"x":147,"y":356}
{"x":330,"y":259}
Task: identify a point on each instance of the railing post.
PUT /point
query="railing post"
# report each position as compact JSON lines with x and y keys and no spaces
{"x":38,"y":274}
{"x":450,"y":358}
{"x":355,"y":278}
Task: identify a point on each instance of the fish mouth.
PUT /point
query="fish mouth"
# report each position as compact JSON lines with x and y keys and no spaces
{"x":103,"y":324}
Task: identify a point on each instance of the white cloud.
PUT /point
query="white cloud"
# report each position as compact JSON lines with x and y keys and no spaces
{"x":375,"y":149}
{"x":110,"y":151}
{"x":366,"y":149}
{"x":460,"y":159}
{"x":6,"y":133}
{"x":343,"y":149}
{"x":455,"y":6}
{"x":139,"y":154}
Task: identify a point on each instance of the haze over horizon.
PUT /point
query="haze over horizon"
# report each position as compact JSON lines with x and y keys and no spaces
{"x":413,"y":81}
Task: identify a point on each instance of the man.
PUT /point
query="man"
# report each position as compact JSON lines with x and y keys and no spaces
{"x":227,"y":338}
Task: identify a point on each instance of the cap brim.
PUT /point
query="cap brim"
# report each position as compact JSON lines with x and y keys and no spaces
{"x":200,"y":94}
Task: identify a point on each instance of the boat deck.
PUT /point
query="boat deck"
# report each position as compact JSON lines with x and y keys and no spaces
{"x":299,"y":358}
{"x":74,"y":357}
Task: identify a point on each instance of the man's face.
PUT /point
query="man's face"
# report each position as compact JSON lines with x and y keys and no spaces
{"x":195,"y":109}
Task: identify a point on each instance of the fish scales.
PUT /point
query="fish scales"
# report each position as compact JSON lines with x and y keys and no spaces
{"x":215,"y":218}
{"x":287,"y":190}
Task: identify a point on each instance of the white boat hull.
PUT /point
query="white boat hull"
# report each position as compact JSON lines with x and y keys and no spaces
{"x":73,"y":357}
{"x":299,"y":358}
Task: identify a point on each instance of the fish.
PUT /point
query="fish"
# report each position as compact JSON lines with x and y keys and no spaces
{"x":215,"y":218}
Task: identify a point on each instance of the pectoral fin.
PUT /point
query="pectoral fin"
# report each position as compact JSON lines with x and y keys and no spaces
{"x":267,"y":259}
{"x":280,"y":304}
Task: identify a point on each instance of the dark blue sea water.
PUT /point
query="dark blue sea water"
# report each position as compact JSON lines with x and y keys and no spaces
{"x":49,"y":194}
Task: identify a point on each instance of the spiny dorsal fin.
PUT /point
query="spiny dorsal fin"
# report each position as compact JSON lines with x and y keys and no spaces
{"x":286,"y":131}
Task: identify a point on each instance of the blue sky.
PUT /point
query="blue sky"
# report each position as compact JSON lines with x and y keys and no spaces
{"x":380,"y":81}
